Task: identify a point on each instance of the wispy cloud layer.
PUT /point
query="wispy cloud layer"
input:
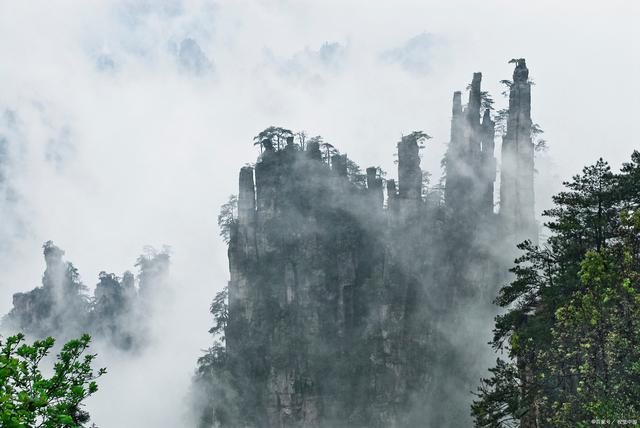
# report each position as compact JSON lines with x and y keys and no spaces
{"x":124,"y":123}
{"x":414,"y":56}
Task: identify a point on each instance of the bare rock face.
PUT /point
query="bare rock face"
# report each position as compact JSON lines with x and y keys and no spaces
{"x":299,"y":259}
{"x":516,"y":192}
{"x":337,"y":301}
{"x":470,"y":162}
{"x":409,"y":173}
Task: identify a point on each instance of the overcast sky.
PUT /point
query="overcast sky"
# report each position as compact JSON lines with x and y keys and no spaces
{"x":124,"y":124}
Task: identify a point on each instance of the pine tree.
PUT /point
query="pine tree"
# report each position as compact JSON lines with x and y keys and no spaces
{"x":572,"y":329}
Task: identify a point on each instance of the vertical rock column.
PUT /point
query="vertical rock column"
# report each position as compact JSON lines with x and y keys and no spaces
{"x":516,"y":188}
{"x":472,"y":188}
{"x":409,"y":172}
{"x":409,"y":179}
{"x":470,"y":156}
{"x":454,"y":155}
{"x":267,"y":179}
{"x":374,"y":187}
{"x":242,"y":247}
{"x":472,"y":128}
{"x":488,"y":164}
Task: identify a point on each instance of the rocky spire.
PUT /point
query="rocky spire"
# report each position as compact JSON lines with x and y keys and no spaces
{"x":246,"y":196}
{"x":488,"y":163}
{"x":457,"y":103}
{"x":457,"y":125}
{"x":488,"y":133}
{"x":374,"y":186}
{"x":516,"y":189}
{"x":409,"y":172}
{"x":470,"y":164}
{"x":473,"y":118}
{"x":454,"y":152}
{"x":56,"y":268}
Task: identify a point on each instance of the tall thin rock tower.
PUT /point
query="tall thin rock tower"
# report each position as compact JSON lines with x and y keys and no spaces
{"x":471,"y":167}
{"x":516,"y":179}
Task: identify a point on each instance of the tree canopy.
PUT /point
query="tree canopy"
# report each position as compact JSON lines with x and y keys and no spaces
{"x":572,"y":325}
{"x":28,"y":398}
{"x":273,"y":134}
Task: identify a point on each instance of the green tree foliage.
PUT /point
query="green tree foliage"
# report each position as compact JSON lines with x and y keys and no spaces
{"x":508,"y":84}
{"x":355,"y":174}
{"x":328,"y":151}
{"x":30,"y":399}
{"x":486,"y":100}
{"x":317,"y":139}
{"x":275,"y":134}
{"x":500,"y":118}
{"x":572,"y":326}
{"x":302,"y":139}
{"x":214,"y":386}
{"x":228,"y":217}
{"x":220,"y":311}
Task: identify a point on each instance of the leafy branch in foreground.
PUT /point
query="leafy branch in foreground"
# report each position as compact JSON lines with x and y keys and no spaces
{"x":30,"y":399}
{"x":571,"y":328}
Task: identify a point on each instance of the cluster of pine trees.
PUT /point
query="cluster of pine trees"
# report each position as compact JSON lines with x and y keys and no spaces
{"x":571,"y":326}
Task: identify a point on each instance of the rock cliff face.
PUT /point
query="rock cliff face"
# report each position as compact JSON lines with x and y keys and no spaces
{"x":341,"y":306}
{"x":471,"y":165}
{"x":304,"y":258}
{"x":516,"y":195}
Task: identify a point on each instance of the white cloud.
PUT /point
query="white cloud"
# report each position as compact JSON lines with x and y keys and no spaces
{"x":309,"y":66}
{"x":114,"y":146}
{"x":414,"y":56}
